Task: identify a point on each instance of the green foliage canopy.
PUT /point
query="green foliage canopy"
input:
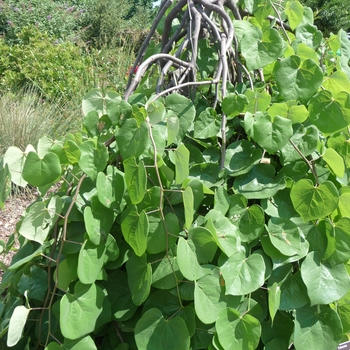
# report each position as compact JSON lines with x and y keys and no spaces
{"x":207,"y":208}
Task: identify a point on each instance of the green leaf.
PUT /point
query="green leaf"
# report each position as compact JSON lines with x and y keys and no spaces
{"x":294,"y":12}
{"x":236,"y":331}
{"x":280,"y":205}
{"x":173,"y":128}
{"x":39,"y":219}
{"x":166,"y":273}
{"x":314,"y":202}
{"x":241,"y":156}
{"x":224,"y":232}
{"x":5,"y":182}
{"x":260,"y":182}
{"x":97,"y":100}
{"x":162,"y":234}
{"x":72,"y":151}
{"x":187,"y":260}
{"x":233,"y":104}
{"x":188,"y":202}
{"x":132,"y":139}
{"x":276,"y":344}
{"x":135,"y":229}
{"x":336,"y":83}
{"x":258,"y":101}
{"x":118,"y":111}
{"x":335,"y":162}
{"x":243,"y":275}
{"x":91,"y":123}
{"x":341,"y":253}
{"x":207,"y":124}
{"x":41,"y":171}
{"x":156,"y":112}
{"x":119,"y":295}
{"x":184,"y":109}
{"x":317,"y":330}
{"x":308,"y":33}
{"x":209,"y":296}
{"x":139,"y":278}
{"x":153,"y":331}
{"x":136,"y":179}
{"x":85,"y":343}
{"x":317,"y":236}
{"x":98,"y":221}
{"x":90,"y":262}
{"x":251,"y":223}
{"x":180,"y":157}
{"x":16,"y":326}
{"x":261,"y":48}
{"x":305,"y":139}
{"x":26,"y":254}
{"x":66,"y":271}
{"x":111,"y":188}
{"x":79,"y":311}
{"x":330,"y":113}
{"x":298,"y":80}
{"x":271,"y":134}
{"x":325,"y":284}
{"x":204,"y":244}
{"x":35,"y":283}
{"x":287,"y":237}
{"x":293,"y":292}
{"x":274,"y":299}
{"x":15,"y":159}
{"x":94,"y":157}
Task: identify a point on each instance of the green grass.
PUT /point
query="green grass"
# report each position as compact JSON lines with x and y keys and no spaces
{"x":25,"y":116}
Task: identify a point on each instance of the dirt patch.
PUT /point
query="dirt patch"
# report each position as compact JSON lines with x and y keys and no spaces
{"x":14,"y":207}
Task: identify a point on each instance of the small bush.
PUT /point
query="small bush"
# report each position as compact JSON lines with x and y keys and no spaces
{"x":55,"y":68}
{"x":58,"y":19}
{"x":331,"y":15}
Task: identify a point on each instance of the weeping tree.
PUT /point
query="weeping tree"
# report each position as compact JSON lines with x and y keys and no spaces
{"x":207,"y":208}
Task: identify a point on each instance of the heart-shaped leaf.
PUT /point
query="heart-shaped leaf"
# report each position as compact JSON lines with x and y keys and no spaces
{"x":241,"y":156}
{"x":94,"y":157}
{"x":41,"y":171}
{"x":207,"y":124}
{"x":325,"y":284}
{"x":270,"y":133}
{"x":305,"y":139}
{"x":153,"y":329}
{"x":298,"y":80}
{"x":139,"y":278}
{"x":259,"y":182}
{"x":80,"y":310}
{"x":314,"y":202}
{"x":261,"y":48}
{"x":135,"y":229}
{"x":243,"y":275}
{"x":317,"y":330}
{"x":236,"y":331}
{"x":330,"y":113}
{"x":132,"y":138}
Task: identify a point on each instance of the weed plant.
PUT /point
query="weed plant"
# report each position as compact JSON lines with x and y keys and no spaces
{"x":25,"y":116}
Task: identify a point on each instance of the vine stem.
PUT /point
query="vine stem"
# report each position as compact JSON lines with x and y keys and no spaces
{"x":161,"y":207}
{"x":63,"y":238}
{"x":310,"y":164}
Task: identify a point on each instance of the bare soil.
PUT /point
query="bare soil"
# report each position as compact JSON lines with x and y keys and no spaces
{"x":15,"y":205}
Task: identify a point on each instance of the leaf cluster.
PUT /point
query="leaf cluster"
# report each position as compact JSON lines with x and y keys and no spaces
{"x":207,"y":209}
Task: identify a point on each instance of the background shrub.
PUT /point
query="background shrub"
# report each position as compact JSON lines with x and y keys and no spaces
{"x":331,"y":15}
{"x":55,"y":68}
{"x":58,"y":19}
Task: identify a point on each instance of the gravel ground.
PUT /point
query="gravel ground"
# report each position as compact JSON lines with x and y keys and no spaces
{"x":14,"y":207}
